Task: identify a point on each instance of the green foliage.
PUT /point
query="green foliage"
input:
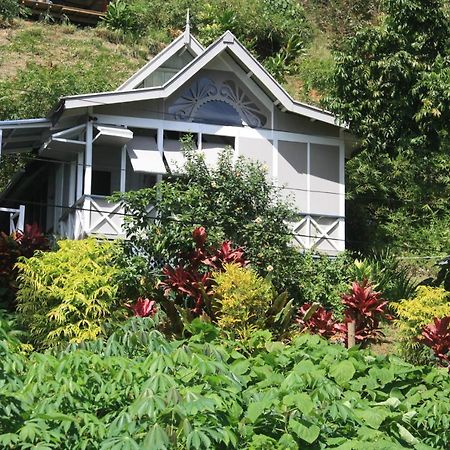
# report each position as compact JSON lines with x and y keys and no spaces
{"x":322,"y":280}
{"x":235,"y":201}
{"x":138,"y":390}
{"x":386,"y":273}
{"x":9,"y":10}
{"x":341,"y":19}
{"x":124,"y":16}
{"x":414,"y":314}
{"x":68,"y":295}
{"x":391,"y":87}
{"x":270,"y":28}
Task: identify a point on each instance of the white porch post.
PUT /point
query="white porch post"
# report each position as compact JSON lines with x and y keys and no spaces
{"x":79,"y":181}
{"x":160,"y":147}
{"x":308,"y":239}
{"x":21,"y":219}
{"x":123,"y":168}
{"x":87,"y":191}
{"x":341,"y":232}
{"x":1,"y":141}
{"x":88,"y":159}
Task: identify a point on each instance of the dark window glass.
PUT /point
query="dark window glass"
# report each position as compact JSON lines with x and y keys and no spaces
{"x":101,"y":182}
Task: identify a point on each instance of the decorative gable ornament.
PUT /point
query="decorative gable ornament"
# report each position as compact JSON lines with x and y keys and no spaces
{"x":188,"y":107}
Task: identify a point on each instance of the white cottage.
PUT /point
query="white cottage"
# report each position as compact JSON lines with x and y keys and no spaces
{"x":92,"y":145}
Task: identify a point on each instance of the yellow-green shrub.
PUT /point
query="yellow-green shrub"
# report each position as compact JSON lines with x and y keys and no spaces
{"x":241,"y":299}
{"x":68,"y":295}
{"x":413,"y":314}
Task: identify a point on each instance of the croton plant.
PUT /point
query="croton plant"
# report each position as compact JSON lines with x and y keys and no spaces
{"x":436,"y":335}
{"x":13,"y":246}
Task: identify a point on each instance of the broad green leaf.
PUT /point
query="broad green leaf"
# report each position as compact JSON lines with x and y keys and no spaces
{"x":342,"y":372}
{"x":307,"y":433}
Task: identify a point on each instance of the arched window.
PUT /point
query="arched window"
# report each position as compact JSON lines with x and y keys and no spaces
{"x":217,"y":112}
{"x":223,"y":103}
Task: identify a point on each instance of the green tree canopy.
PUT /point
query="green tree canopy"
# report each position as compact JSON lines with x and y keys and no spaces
{"x":392,"y":86}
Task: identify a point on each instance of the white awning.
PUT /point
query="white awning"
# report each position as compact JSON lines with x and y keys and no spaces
{"x":211,"y":152}
{"x":108,"y":135}
{"x":174,"y":155}
{"x":144,"y":155}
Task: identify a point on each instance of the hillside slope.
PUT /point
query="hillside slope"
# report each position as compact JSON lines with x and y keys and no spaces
{"x":40,"y":62}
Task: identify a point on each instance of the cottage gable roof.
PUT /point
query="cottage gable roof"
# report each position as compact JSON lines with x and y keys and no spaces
{"x":184,"y":42}
{"x":227,"y":43}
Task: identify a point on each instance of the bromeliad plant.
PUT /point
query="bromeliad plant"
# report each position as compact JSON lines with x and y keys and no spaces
{"x":436,"y":335}
{"x":366,"y":308}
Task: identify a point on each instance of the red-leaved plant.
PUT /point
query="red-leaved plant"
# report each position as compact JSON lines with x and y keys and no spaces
{"x":190,"y":286}
{"x":12,"y":247}
{"x":436,"y":335}
{"x":366,"y":308}
{"x":143,"y":307}
{"x":317,"y":320}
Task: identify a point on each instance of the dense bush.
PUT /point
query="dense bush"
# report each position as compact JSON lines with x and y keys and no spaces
{"x":241,"y":298}
{"x":414,"y":314}
{"x":235,"y":201}
{"x":12,"y":247}
{"x":138,"y":390}
{"x":68,"y":295}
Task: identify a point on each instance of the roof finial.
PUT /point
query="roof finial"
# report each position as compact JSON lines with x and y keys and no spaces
{"x":187,"y":29}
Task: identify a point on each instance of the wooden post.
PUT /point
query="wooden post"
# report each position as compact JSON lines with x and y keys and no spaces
{"x":351,"y":326}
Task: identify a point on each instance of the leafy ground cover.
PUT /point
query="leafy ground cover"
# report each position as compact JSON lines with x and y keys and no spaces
{"x":139,"y":390}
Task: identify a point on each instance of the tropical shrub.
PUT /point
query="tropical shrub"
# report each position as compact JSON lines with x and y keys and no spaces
{"x":317,"y":320}
{"x":68,"y":295}
{"x":437,"y":336}
{"x":244,"y":302}
{"x":235,"y":201}
{"x":416,"y":313}
{"x":321,"y":279}
{"x":366,"y":309}
{"x":12,"y":247}
{"x":139,"y":390}
{"x":386,"y":273}
{"x":188,"y":287}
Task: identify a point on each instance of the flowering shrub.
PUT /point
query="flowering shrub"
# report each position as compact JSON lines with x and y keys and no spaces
{"x":366,"y":308}
{"x":11,"y":248}
{"x":317,"y":320}
{"x":437,"y":336}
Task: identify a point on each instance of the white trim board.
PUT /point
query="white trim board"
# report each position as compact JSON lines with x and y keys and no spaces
{"x":219,"y":130}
